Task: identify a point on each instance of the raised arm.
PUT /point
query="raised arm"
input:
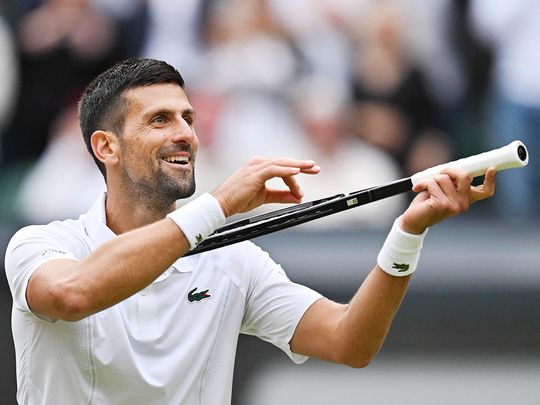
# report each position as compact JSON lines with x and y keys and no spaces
{"x":352,"y":334}
{"x":71,"y":290}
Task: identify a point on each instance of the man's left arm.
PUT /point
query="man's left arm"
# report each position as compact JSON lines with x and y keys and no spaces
{"x":352,"y":334}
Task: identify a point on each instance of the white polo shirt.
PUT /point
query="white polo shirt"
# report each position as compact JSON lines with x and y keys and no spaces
{"x":172,"y":343}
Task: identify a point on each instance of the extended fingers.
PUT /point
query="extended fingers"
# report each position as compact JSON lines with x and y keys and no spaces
{"x":305,"y":166}
{"x":267,"y":168}
{"x":487,"y":189}
{"x":286,"y":168}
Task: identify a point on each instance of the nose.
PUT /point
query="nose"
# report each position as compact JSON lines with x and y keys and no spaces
{"x":183,"y":132}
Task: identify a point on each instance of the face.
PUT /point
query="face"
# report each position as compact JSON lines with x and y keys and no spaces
{"x":158,"y":144}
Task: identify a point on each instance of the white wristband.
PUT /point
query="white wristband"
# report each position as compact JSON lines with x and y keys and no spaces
{"x":199,"y":218}
{"x":400,"y":252}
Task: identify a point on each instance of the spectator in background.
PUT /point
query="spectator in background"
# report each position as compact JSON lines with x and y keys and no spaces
{"x":63,"y":167}
{"x":248,"y":65}
{"x":429,"y":35}
{"x":320,"y":31}
{"x":8,"y":95}
{"x":324,"y":29}
{"x":8,"y":73}
{"x":175,"y":33}
{"x":347,"y":163}
{"x":62,"y":45}
{"x":392,"y":106}
{"x":512,"y":30}
{"x":132,"y":22}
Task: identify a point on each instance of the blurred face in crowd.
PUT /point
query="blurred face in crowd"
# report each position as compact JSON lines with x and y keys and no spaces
{"x":158,"y":144}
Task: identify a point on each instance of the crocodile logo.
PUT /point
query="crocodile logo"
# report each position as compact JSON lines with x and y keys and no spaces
{"x":401,"y":267}
{"x":197,"y":296}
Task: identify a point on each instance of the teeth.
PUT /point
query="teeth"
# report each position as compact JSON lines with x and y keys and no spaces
{"x":176,"y":159}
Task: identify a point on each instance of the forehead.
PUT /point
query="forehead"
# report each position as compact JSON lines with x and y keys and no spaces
{"x":146,"y":99}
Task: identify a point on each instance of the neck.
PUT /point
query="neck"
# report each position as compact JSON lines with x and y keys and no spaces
{"x":125,"y":212}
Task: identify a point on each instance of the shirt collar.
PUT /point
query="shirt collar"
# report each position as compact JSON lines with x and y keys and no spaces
{"x":95,"y":224}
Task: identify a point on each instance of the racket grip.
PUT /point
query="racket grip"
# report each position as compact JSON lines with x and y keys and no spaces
{"x":513,"y":155}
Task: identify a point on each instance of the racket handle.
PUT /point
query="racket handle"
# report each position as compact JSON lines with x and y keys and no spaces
{"x":513,"y":155}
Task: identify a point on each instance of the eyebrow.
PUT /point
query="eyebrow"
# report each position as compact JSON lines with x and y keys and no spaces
{"x":167,"y":111}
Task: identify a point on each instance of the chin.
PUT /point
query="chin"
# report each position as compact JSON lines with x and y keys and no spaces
{"x":184,"y":191}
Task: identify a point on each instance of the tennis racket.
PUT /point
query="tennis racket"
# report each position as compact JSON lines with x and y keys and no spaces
{"x":510,"y":156}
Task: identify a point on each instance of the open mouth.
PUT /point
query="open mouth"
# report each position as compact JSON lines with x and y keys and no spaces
{"x":178,"y":160}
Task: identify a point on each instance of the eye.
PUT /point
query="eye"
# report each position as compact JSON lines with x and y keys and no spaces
{"x":159,"y":120}
{"x":189,"y":119}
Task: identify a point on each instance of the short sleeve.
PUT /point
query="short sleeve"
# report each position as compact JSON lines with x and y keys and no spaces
{"x":275,"y":304}
{"x":29,"y":248}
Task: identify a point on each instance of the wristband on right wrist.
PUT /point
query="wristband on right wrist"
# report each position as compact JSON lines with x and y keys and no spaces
{"x":401,"y":251}
{"x":198,"y":218}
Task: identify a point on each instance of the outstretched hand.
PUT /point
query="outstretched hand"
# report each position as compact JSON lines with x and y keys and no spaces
{"x":246,"y":189}
{"x":442,"y":196}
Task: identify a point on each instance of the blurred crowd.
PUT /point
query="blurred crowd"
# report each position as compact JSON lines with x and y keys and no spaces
{"x":373,"y":90}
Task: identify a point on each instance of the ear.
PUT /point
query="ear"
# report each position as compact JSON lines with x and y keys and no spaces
{"x":105,"y":146}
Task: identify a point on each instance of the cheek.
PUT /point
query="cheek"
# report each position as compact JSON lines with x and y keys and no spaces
{"x":136,"y":155}
{"x":195,"y":143}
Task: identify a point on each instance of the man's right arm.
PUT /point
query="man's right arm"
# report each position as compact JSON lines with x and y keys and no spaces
{"x":71,"y":290}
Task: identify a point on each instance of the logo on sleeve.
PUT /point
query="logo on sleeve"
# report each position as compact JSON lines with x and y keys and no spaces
{"x":401,"y":267}
{"x":194,"y":296}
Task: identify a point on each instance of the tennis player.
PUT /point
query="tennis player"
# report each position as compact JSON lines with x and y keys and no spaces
{"x":106,"y":310}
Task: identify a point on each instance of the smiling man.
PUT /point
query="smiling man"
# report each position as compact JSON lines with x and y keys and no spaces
{"x":107,"y":311}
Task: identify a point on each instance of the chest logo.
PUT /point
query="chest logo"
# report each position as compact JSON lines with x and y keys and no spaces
{"x":197,"y":296}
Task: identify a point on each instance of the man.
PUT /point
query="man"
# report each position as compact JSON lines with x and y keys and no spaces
{"x":106,"y":310}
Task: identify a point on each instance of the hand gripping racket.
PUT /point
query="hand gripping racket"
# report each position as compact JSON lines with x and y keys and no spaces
{"x":510,"y":156}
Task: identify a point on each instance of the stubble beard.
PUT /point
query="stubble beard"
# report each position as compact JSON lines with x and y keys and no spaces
{"x":175,"y":189}
{"x":162,"y":190}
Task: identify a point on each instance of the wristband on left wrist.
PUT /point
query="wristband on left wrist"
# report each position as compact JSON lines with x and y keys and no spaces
{"x":400,"y":253}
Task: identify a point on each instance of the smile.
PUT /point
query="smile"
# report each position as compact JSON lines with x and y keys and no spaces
{"x":181,"y":160}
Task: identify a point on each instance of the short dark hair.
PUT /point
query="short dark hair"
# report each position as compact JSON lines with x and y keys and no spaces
{"x":102,"y":105}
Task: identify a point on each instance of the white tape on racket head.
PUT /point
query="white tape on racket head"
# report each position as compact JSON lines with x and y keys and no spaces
{"x":513,"y":155}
